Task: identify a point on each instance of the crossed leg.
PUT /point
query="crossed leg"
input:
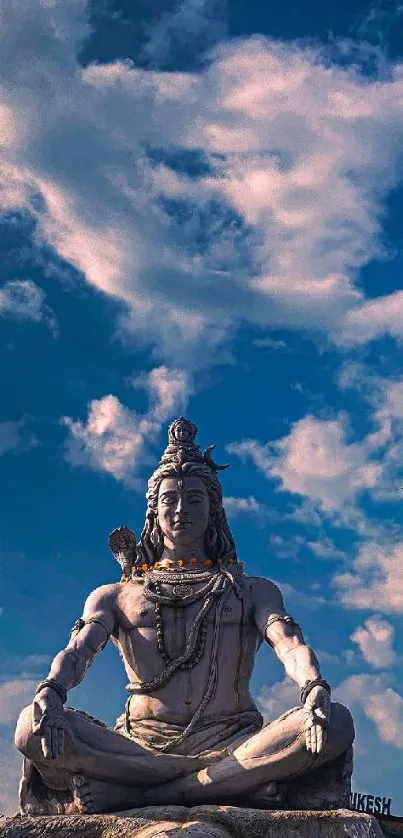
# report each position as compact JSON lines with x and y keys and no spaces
{"x":276,"y":753}
{"x":99,"y":770}
{"x":105,"y":771}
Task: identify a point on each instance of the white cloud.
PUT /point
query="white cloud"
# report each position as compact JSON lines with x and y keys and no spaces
{"x":275,"y":700}
{"x":21,"y":299}
{"x":325,"y":549}
{"x":386,"y":711}
{"x":191,"y":26}
{"x":110,"y":440}
{"x":270,"y":343}
{"x":24,"y":668}
{"x":380,"y":703}
{"x":10,"y":436}
{"x":248,"y":506}
{"x":374,"y":580}
{"x":374,"y":318}
{"x":385,"y":398}
{"x":10,"y":772}
{"x":16,"y":691}
{"x":14,"y":695}
{"x":375,"y":642}
{"x":15,"y":437}
{"x":315,"y":460}
{"x":302,"y":599}
{"x":326,"y":657}
{"x":288,"y":547}
{"x":379,"y":21}
{"x":388,"y":435}
{"x":115,"y":439}
{"x":168,"y":391}
{"x":277,"y":129}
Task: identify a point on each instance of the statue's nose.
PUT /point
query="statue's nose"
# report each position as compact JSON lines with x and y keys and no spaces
{"x":180,"y":505}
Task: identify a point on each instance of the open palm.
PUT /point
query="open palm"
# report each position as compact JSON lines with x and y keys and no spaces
{"x":49,"y":722}
{"x":317,"y":710}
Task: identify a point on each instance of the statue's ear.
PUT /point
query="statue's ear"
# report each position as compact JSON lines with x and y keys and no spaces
{"x":156,"y":536}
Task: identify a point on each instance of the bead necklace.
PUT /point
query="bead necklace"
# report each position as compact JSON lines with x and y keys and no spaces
{"x":194,"y":645}
{"x":225,"y":581}
{"x":180,"y":596}
{"x":198,"y":651}
{"x":170,"y":566}
{"x":182,"y":593}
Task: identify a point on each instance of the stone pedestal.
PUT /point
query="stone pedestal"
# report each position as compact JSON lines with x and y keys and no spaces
{"x":195,"y":822}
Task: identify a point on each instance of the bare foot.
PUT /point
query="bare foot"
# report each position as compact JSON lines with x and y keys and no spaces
{"x":36,"y":798}
{"x":94,"y":796}
{"x":270,"y":796}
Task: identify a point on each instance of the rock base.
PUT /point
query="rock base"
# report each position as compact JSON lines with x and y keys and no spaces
{"x":195,"y":822}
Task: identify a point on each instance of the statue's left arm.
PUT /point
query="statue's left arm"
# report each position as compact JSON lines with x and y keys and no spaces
{"x":300,"y":662}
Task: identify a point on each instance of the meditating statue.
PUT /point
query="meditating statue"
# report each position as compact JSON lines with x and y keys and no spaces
{"x":187,"y":621}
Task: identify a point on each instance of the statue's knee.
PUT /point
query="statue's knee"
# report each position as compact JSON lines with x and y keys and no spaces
{"x":23,"y":732}
{"x":342,"y":725}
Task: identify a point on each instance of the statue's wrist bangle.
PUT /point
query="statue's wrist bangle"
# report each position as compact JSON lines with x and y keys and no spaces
{"x":53,"y":685}
{"x":309,"y":685}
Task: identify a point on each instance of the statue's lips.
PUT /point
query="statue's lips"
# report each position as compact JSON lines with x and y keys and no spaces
{"x":180,"y":525}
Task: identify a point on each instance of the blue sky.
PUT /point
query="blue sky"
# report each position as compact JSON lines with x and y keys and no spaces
{"x":201,"y":213}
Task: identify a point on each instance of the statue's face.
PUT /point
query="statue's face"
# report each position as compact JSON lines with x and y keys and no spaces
{"x":181,"y":432}
{"x":183,"y":513}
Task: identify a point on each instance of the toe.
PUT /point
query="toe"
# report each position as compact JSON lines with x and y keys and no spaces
{"x":78,"y":780}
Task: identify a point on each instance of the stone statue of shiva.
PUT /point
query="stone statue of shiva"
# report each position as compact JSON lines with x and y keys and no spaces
{"x":187,"y":622}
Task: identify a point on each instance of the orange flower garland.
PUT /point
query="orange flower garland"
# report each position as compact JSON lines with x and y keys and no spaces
{"x":181,"y":564}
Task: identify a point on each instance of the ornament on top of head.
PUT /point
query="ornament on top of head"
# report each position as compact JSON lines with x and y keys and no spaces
{"x":183,"y":449}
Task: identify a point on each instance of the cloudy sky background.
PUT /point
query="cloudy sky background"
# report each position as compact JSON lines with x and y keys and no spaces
{"x":201,"y":212}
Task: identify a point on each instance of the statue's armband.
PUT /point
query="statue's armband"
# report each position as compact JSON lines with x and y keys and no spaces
{"x":76,"y":628}
{"x":81,"y":623}
{"x":288,"y":625}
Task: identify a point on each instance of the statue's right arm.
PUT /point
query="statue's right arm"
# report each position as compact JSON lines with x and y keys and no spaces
{"x":69,"y":667}
{"x":88,"y":639}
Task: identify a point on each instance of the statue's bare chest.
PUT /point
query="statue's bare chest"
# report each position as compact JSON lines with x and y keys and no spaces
{"x":146,"y":636}
{"x":137,"y":612}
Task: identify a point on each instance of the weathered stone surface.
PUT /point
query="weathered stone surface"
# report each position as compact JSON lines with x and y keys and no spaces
{"x":195,"y":822}
{"x":392,"y":827}
{"x":326,"y":788}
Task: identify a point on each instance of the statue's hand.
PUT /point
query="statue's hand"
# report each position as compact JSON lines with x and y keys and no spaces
{"x":49,"y":722}
{"x":317,"y":709}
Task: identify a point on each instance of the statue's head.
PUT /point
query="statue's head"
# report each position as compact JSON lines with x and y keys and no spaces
{"x":184,"y":501}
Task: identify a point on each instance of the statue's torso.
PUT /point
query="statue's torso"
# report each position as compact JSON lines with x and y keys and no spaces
{"x":136,"y":638}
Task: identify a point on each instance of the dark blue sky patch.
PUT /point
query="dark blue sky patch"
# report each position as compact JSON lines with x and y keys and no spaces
{"x":192,"y":163}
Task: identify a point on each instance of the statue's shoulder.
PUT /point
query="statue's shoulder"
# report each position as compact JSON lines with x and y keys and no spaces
{"x":103,"y":597}
{"x":263,"y":590}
